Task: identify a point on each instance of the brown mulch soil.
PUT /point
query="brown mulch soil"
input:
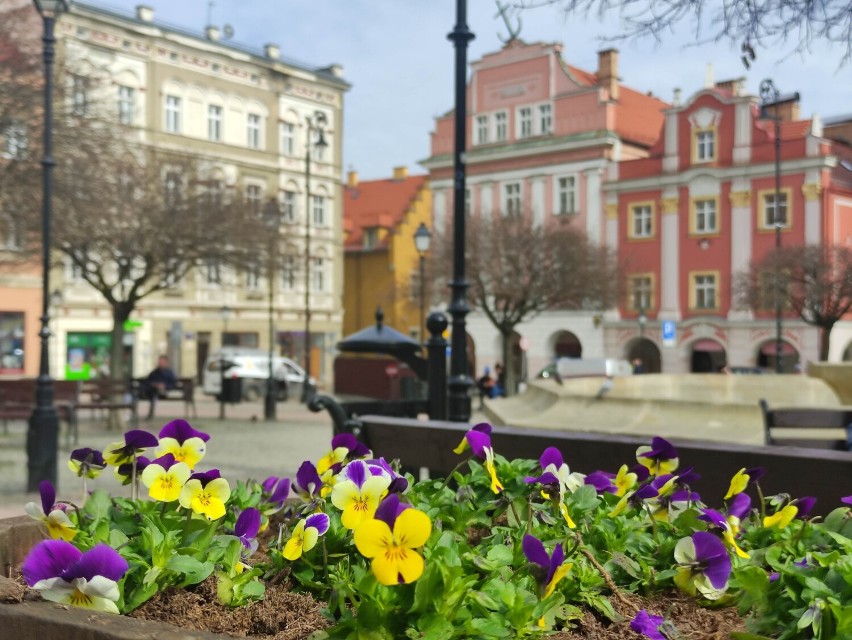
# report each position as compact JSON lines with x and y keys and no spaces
{"x":281,"y":615}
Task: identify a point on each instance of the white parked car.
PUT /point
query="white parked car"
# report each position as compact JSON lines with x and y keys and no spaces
{"x":251,"y":366}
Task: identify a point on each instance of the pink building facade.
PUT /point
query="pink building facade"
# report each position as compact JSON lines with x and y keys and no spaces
{"x":699,"y":210}
{"x":543,"y":139}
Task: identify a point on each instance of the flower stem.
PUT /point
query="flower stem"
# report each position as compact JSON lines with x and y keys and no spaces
{"x":134,"y":487}
{"x":610,"y":583}
{"x":760,"y":502}
{"x":451,"y":473}
{"x":85,"y":488}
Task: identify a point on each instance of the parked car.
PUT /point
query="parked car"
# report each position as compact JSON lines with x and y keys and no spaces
{"x":251,"y":366}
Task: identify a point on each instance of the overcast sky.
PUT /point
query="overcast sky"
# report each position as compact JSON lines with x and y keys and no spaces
{"x":396,"y":56}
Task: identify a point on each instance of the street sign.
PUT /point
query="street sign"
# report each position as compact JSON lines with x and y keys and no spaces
{"x":669,"y":333}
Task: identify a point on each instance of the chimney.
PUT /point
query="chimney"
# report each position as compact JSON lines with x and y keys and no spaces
{"x":608,"y":72}
{"x":334,"y":69}
{"x":272,"y":51}
{"x":732,"y":86}
{"x":400,"y":173}
{"x":212,"y":33}
{"x":786,"y":109}
{"x":352,"y":179}
{"x":708,"y":76}
{"x":144,"y":13}
{"x":676,"y":99}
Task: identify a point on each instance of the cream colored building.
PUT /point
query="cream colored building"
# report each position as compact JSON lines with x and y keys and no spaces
{"x":246,"y":112}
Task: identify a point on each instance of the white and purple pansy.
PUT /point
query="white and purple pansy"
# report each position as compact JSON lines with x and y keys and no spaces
{"x":601,"y":481}
{"x":64,"y":574}
{"x":308,"y":482}
{"x":135,"y":442}
{"x":551,"y":568}
{"x":719,"y":523}
{"x":704,"y":565}
{"x":380,"y":466}
{"x":556,"y":474}
{"x":53,"y":516}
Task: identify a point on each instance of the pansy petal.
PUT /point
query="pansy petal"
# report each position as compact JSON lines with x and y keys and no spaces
{"x":344,"y":493}
{"x":181,"y":431}
{"x":740,"y":506}
{"x":219,"y":489}
{"x":48,"y":495}
{"x":137,"y":439}
{"x":310,"y":538}
{"x":535,"y":552}
{"x":412,"y":528}
{"x":409,"y":565}
{"x":318,"y":521}
{"x":551,"y":456}
{"x":99,"y":587}
{"x":49,"y":559}
{"x":373,"y":538}
{"x":389,"y":509}
{"x":248,"y":523}
{"x":357,"y":472}
{"x":34,"y":510}
{"x":684,"y":551}
{"x":478,"y":442}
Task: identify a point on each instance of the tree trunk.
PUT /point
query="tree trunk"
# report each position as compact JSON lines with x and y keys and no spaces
{"x":508,"y":369}
{"x":824,"y":341}
{"x":117,"y":366}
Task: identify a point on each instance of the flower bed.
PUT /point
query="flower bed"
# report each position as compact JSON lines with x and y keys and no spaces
{"x":498,"y":549}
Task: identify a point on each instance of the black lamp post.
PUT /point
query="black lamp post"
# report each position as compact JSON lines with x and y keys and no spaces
{"x":225,"y":311}
{"x":460,"y":382}
{"x":642,"y":318}
{"x":422,"y":242}
{"x":769,"y":95}
{"x":43,"y":430}
{"x":316,"y":123}
{"x":272,"y":220}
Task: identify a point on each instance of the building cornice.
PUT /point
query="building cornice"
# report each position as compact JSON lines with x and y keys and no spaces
{"x":719,"y":173}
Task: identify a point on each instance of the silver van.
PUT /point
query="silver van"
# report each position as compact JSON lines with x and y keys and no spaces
{"x":251,"y":366}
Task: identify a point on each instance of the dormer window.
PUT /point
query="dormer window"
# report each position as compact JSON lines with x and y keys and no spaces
{"x":705,"y":145}
{"x":371,"y":238}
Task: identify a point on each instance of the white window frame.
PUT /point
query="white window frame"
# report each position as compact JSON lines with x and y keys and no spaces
{"x":769,"y":207}
{"x":566,"y":195}
{"x":253,"y":130}
{"x":288,"y":206}
{"x":318,"y":274}
{"x":254,"y":197}
{"x":501,"y":126}
{"x":253,"y":276}
{"x":545,"y":118}
{"x":642,"y":221}
{"x":173,"y":114}
{"x":318,"y":210}
{"x":524,"y":122}
{"x":705,"y":145}
{"x":482,"y":129}
{"x":706,"y":291}
{"x":287,"y":138}
{"x":641,"y":292}
{"x":702,"y":213}
{"x":126,"y":104}
{"x":512,"y":193}
{"x":214,"y":123}
{"x":288,"y":272}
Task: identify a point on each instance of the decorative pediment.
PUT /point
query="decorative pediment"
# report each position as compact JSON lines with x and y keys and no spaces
{"x":705,"y":118}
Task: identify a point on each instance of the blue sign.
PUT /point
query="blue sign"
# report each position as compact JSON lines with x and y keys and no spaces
{"x":669,"y":333}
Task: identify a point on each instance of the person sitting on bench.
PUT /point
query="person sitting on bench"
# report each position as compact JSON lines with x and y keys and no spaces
{"x":159,"y":381}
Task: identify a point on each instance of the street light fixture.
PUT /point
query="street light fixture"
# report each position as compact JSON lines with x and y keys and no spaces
{"x":422,"y":242}
{"x":43,"y":428}
{"x":225,"y":311}
{"x":769,"y":95}
{"x":316,"y":123}
{"x":642,"y":318}
{"x":272,"y":220}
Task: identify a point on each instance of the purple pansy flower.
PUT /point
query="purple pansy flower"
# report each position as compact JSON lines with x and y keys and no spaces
{"x":246,"y":529}
{"x":277,"y":491}
{"x":204,"y":477}
{"x":124,"y":471}
{"x":308,"y":482}
{"x":135,"y":442}
{"x":476,"y":439}
{"x":739,"y":507}
{"x":63,"y":574}
{"x":601,"y":481}
{"x":53,"y":516}
{"x":389,"y":509}
{"x":86,"y":462}
{"x":305,"y":535}
{"x":357,"y":449}
{"x":648,"y":625}
{"x":660,"y":458}
{"x":551,"y":567}
{"x":846,"y":499}
{"x":181,"y":431}
{"x":380,"y":466}
{"x":704,"y":565}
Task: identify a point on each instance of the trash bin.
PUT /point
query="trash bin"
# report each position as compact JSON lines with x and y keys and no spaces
{"x":232,"y":390}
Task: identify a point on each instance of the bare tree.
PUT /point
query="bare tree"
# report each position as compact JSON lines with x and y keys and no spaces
{"x":813,"y":281}
{"x":517,"y":270}
{"x":746,"y":23}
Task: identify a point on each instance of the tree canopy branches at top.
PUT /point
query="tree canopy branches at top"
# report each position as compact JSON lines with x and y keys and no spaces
{"x":748,"y":23}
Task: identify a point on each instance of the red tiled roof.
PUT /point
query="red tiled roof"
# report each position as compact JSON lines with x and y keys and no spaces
{"x":790,"y":129}
{"x":639,"y":117}
{"x":377,"y":203}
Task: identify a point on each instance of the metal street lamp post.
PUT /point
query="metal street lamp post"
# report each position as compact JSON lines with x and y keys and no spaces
{"x":272,"y":220}
{"x":459,"y":383}
{"x":43,"y":429}
{"x":316,"y":123}
{"x":769,"y":95}
{"x":422,"y":242}
{"x":643,"y":320}
{"x":225,"y":311}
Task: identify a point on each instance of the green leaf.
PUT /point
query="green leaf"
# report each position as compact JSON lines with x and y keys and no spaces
{"x":500,"y":555}
{"x":97,"y":505}
{"x":194,"y":571}
{"x":117,"y":538}
{"x":491,"y":627}
{"x":253,"y":589}
{"x":629,"y":566}
{"x":585,"y":498}
{"x":435,"y":628}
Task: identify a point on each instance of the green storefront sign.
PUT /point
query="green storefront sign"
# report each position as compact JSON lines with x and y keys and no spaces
{"x":88,"y":355}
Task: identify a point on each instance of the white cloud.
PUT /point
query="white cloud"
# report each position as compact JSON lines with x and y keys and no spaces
{"x":400,"y":63}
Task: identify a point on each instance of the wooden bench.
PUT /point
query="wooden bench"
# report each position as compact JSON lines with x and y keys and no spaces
{"x":17,"y":402}
{"x":790,"y":426}
{"x":109,"y":395}
{"x":429,"y":444}
{"x":183,"y":392}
